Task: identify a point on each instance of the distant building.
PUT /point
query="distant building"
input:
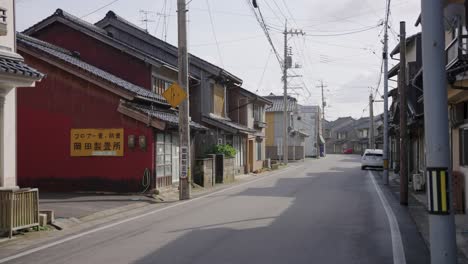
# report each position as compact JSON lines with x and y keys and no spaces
{"x":274,"y":130}
{"x":351,"y":135}
{"x":310,"y":122}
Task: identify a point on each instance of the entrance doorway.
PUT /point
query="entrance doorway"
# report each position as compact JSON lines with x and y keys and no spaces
{"x":250,"y":160}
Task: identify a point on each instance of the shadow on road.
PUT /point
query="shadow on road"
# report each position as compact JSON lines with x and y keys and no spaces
{"x":331,"y":219}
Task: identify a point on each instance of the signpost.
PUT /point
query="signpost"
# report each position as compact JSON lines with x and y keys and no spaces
{"x":175,"y":95}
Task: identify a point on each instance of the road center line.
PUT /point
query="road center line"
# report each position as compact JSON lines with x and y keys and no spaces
{"x":397,"y":243}
{"x":73,"y":237}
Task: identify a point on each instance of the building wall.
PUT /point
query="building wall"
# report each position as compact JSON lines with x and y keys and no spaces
{"x":46,"y":114}
{"x":10,"y":140}
{"x":9,"y":148}
{"x":270,"y":129}
{"x":98,"y":54}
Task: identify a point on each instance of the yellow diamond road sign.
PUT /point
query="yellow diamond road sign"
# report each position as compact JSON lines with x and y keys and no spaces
{"x":175,"y":95}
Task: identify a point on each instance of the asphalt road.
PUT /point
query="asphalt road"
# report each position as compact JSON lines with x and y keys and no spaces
{"x":318,"y":211}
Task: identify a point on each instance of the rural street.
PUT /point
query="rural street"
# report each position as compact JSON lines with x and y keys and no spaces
{"x":317,"y":211}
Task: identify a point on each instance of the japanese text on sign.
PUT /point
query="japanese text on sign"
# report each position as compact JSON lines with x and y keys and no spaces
{"x":184,"y":162}
{"x":96,"y":142}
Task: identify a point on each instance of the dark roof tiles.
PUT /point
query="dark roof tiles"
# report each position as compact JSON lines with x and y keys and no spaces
{"x":169,"y":116}
{"x":66,"y":56}
{"x":18,"y":67}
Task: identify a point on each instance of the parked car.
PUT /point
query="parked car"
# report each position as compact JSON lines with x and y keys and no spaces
{"x":348,"y":151}
{"x":372,"y":158}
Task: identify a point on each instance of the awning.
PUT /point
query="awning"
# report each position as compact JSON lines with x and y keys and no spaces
{"x":322,"y":141}
{"x":227,"y":124}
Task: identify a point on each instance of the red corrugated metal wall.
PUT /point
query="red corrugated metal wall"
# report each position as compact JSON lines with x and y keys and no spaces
{"x":47,"y":112}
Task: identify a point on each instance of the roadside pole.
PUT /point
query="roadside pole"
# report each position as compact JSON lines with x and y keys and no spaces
{"x":441,"y":221}
{"x":287,"y":63}
{"x":184,"y":128}
{"x":285,"y":95}
{"x":371,"y":122}
{"x":385,"y":65}
{"x":403,"y":118}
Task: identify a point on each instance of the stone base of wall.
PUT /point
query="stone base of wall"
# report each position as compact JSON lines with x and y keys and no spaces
{"x":294,"y":153}
{"x":229,"y":170}
{"x":204,"y":172}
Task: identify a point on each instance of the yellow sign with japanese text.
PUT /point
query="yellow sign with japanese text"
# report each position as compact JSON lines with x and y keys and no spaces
{"x":96,"y":142}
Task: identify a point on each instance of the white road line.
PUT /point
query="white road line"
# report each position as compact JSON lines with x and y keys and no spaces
{"x":64,"y":240}
{"x":397,"y":243}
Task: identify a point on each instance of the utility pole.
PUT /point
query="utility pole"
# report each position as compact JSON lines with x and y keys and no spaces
{"x":371,"y":122}
{"x":285,"y":95}
{"x":184,"y":128}
{"x":287,"y":63}
{"x":385,"y":65}
{"x":403,"y":118}
{"x":323,"y":98}
{"x":441,"y":221}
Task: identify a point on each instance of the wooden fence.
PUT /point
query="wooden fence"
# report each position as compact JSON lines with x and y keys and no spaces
{"x":19,"y":209}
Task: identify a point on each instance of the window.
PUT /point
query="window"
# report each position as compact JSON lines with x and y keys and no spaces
{"x":341,"y":135}
{"x":160,"y":85}
{"x":258,"y":113}
{"x":464,"y":146}
{"x":218,"y":105}
{"x":259,"y":150}
{"x":3,"y":21}
{"x":163,"y":155}
{"x":3,"y":16}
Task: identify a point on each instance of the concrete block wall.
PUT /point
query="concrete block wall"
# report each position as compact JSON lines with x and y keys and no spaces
{"x":204,"y":172}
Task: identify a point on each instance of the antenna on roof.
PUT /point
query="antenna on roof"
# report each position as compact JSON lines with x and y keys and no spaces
{"x":145,"y":18}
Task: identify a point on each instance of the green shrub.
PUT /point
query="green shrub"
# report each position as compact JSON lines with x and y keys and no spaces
{"x":228,"y":150}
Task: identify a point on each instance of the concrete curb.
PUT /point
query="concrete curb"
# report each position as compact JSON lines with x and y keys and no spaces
{"x":418,"y":212}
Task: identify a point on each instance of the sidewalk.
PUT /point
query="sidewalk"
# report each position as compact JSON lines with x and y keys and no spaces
{"x":417,"y":207}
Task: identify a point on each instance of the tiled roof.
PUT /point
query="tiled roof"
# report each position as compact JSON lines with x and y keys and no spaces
{"x":278,"y":104}
{"x":97,"y":32}
{"x":169,"y":116}
{"x":231,"y":124}
{"x":144,"y":35}
{"x":67,"y":56}
{"x":18,"y":67}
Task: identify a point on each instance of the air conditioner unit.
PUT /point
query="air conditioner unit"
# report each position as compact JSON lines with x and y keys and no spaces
{"x":418,"y":182}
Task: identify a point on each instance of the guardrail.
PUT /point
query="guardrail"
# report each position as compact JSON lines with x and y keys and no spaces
{"x":19,"y":209}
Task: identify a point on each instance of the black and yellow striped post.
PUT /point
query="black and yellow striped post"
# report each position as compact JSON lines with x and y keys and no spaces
{"x":438,"y":191}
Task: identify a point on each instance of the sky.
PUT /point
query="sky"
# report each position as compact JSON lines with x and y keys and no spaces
{"x":226,"y":33}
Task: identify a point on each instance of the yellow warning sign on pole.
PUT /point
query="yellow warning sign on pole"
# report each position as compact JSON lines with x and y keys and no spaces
{"x":175,"y":95}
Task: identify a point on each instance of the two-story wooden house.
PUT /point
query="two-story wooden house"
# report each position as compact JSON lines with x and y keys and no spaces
{"x":126,"y":96}
{"x":248,"y":109}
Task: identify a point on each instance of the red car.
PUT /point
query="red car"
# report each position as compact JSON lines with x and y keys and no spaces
{"x":348,"y":151}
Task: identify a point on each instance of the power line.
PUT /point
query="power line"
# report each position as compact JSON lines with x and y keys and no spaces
{"x":214,"y":33}
{"x":263,"y":26}
{"x":344,"y":33}
{"x":264,"y":70}
{"x":100,"y":8}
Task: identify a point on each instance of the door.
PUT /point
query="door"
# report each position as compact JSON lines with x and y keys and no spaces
{"x":251,"y":155}
{"x":175,"y":158}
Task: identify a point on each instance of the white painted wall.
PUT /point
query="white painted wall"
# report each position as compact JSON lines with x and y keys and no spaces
{"x":9,"y":139}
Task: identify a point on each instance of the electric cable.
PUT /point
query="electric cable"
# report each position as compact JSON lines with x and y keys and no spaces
{"x":100,"y":8}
